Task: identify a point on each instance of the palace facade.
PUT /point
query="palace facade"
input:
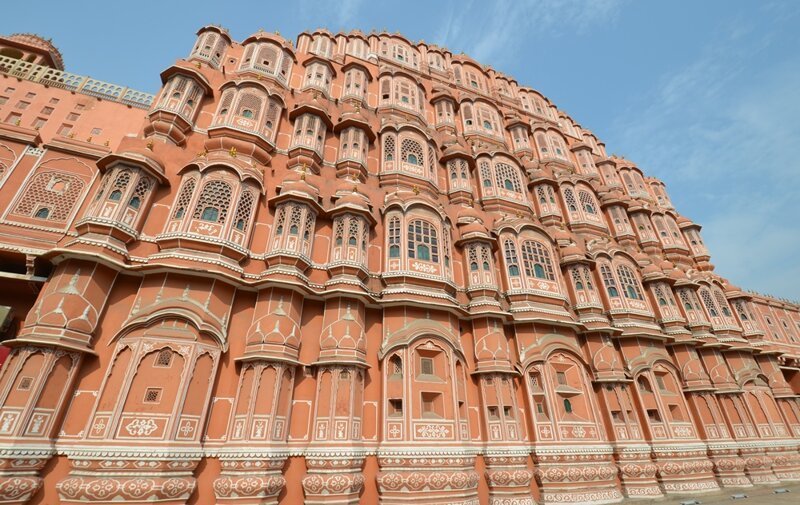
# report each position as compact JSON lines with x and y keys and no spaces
{"x":356,"y":269}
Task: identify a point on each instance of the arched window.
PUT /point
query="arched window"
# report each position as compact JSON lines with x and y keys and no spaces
{"x":567,"y":406}
{"x":507,"y":177}
{"x":630,"y":285}
{"x":536,"y":259}
{"x":511,"y":258}
{"x":388,"y":148}
{"x":708,"y":301}
{"x":411,"y":151}
{"x":608,"y":281}
{"x":422,"y":242}
{"x":394,"y":237}
{"x":644,"y":385}
{"x":588,"y":202}
{"x":244,"y":210}
{"x":184,"y":197}
{"x":214,"y":202}
{"x":42,"y":213}
{"x":569,"y":198}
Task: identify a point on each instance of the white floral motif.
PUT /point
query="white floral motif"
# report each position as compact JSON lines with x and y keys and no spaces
{"x":433,"y":431}
{"x":141,"y":427}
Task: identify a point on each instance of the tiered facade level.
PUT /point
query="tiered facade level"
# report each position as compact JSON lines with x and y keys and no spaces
{"x":356,"y":269}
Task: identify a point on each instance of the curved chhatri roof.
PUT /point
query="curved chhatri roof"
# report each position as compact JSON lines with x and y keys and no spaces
{"x":40,"y":43}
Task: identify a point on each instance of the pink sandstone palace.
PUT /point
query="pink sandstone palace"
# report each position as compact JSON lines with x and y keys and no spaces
{"x":353,"y":269}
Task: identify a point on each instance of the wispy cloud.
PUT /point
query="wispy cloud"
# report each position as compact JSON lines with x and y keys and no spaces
{"x":718,"y":131}
{"x":497,"y":31}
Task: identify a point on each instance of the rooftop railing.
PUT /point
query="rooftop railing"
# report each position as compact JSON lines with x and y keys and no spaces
{"x":74,"y":82}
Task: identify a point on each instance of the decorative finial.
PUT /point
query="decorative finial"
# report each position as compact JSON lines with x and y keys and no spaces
{"x":106,"y":143}
{"x":198,"y":65}
{"x":232,"y":152}
{"x":89,"y":138}
{"x":415,"y":189}
{"x":149,"y":145}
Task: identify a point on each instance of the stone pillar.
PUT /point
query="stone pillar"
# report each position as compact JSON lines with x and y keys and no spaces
{"x":255,"y":451}
{"x":335,"y":457}
{"x":507,"y":472}
{"x":37,"y":379}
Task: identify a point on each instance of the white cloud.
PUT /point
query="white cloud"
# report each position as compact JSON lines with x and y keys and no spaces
{"x":720,"y":132}
{"x":496,"y":31}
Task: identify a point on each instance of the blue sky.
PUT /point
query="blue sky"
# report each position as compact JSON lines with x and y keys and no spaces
{"x":702,"y":94}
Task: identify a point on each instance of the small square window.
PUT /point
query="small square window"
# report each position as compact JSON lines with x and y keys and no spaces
{"x":152,"y":395}
{"x":65,"y":129}
{"x":54,"y":101}
{"x":9,"y":90}
{"x":22,"y":105}
{"x":493,"y":413}
{"x":430,"y":404}
{"x":3,"y":99}
{"x":97,"y":131}
{"x":25,"y":383}
{"x":507,"y":412}
{"x":395,"y":407}
{"x":38,"y":123}
{"x":164,"y":359}
{"x":80,"y":106}
{"x":13,"y":118}
{"x":73,"y":117}
{"x":47,"y":110}
{"x":426,"y":366}
{"x":561,"y":377}
{"x":30,"y":94}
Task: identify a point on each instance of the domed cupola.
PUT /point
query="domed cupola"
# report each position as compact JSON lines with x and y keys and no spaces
{"x":30,"y":48}
{"x":212,"y":42}
{"x":175,"y":112}
{"x":355,"y":129}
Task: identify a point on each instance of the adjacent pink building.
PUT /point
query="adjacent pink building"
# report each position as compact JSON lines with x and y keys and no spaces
{"x":356,"y":269}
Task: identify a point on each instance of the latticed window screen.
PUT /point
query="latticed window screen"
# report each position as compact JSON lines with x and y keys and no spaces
{"x":184,"y":197}
{"x":411,"y":151}
{"x":55,"y":191}
{"x":164,"y":358}
{"x":486,"y":258}
{"x":140,"y":191}
{"x":510,"y":251}
{"x":338,"y":231}
{"x":388,"y":148}
{"x":536,"y":260}
{"x":708,"y":301}
{"x":664,"y":296}
{"x":394,"y":237}
{"x":630,"y":285}
{"x":353,"y":231}
{"x":422,"y":241}
{"x":507,"y":177}
{"x":588,"y":202}
{"x":722,"y":302}
{"x":486,"y":174}
{"x":120,"y":185}
{"x":214,"y":202}
{"x":249,"y":105}
{"x":569,"y":197}
{"x":608,"y":280}
{"x":243,"y":210}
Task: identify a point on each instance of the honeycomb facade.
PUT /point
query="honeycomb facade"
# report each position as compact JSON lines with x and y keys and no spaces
{"x":356,"y":269}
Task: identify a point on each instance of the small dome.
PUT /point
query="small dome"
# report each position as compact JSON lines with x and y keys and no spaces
{"x":297,"y":184}
{"x":468,"y":214}
{"x":651,"y":269}
{"x":41,"y":44}
{"x":562,"y":235}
